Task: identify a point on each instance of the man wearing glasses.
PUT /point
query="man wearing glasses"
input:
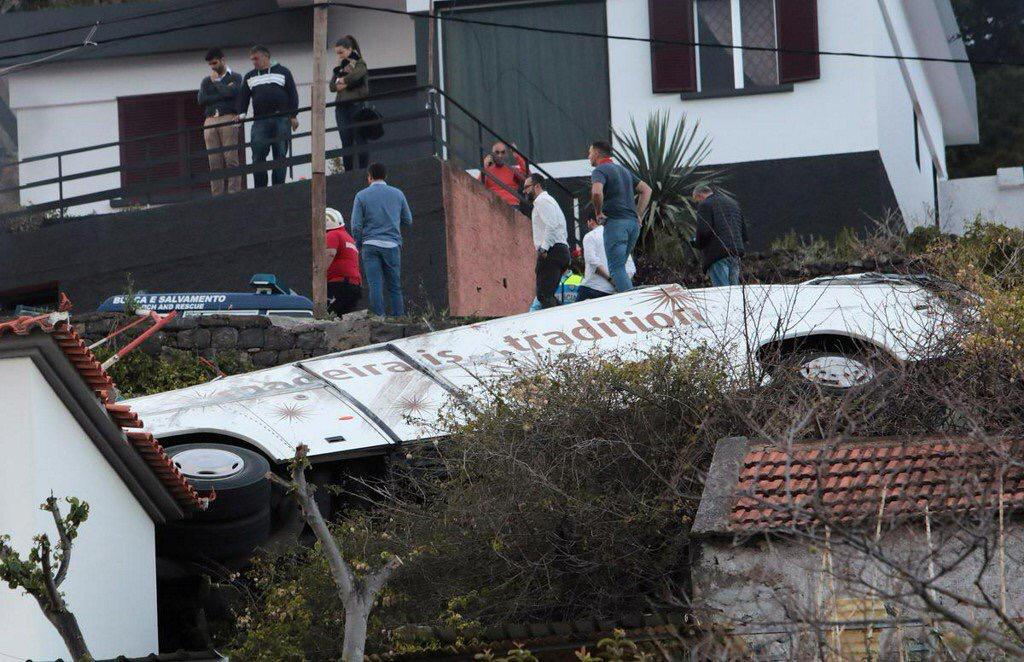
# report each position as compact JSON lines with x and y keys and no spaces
{"x":503,"y":174}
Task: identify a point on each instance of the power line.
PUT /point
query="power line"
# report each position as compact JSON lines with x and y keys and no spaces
{"x":671,"y":42}
{"x":139,"y":35}
{"x":113,"y":21}
{"x":52,"y":56}
{"x":527,"y":28}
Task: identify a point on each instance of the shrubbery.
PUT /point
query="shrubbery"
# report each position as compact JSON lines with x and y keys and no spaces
{"x":139,"y":373}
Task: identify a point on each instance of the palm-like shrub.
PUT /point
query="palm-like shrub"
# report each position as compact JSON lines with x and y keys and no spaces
{"x":668,"y":156}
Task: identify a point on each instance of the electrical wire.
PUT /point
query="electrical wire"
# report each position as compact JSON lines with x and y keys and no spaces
{"x":25,"y":65}
{"x":113,"y":21}
{"x":139,"y":35}
{"x":672,"y":42}
{"x":528,"y":28}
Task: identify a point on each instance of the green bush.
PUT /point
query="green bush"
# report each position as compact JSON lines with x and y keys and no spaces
{"x":139,"y":373}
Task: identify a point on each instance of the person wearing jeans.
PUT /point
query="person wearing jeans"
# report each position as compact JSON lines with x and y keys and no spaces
{"x":611,"y":192}
{"x":724,"y":272}
{"x":275,"y":102}
{"x":270,"y":134}
{"x":721,"y":235}
{"x":378,"y":214}
{"x":383,"y":269}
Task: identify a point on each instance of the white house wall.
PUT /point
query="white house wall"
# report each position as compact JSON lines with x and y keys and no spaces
{"x":897,"y":85}
{"x":827,"y":116}
{"x":961,"y":201}
{"x":65,"y":106}
{"x":111,"y":585}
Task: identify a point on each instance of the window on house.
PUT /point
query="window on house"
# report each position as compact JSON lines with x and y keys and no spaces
{"x":721,"y":24}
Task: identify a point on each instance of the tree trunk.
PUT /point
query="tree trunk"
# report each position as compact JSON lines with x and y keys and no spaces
{"x":357,"y":615}
{"x":67,"y":626}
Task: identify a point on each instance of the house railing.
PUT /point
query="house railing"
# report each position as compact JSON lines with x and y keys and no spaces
{"x":433,"y":128}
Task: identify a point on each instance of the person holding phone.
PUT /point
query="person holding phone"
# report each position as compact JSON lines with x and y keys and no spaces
{"x":350,"y":83}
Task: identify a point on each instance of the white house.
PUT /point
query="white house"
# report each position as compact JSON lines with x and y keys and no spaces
{"x":810,"y":142}
{"x":63,"y":436}
{"x":129,"y":86}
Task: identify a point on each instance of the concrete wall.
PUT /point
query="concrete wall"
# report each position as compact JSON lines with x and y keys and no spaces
{"x":111,"y":585}
{"x":65,"y":106}
{"x":490,"y":251}
{"x":963,"y":200}
{"x":263,"y":341}
{"x":771,"y":591}
{"x":216,"y":245}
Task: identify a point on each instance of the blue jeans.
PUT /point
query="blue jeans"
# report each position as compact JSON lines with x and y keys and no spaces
{"x":725,"y":272}
{"x":620,"y":235}
{"x":271,"y":133}
{"x":383,"y":266}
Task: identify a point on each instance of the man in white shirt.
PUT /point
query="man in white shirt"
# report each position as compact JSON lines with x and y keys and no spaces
{"x":551,"y":239}
{"x":596,"y":279}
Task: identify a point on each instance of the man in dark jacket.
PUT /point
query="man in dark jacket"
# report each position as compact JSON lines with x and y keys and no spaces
{"x":271,"y":89}
{"x":721,"y":235}
{"x":218,"y":96}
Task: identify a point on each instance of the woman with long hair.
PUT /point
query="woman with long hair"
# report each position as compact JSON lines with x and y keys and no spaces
{"x":350,"y":83}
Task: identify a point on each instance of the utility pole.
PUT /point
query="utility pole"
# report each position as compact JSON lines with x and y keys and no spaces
{"x":318,"y":184}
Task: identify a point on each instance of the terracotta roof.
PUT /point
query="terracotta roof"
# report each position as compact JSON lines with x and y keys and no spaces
{"x":843,"y":481}
{"x":96,"y":378}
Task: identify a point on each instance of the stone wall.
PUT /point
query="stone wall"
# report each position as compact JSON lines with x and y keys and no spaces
{"x":266,"y":341}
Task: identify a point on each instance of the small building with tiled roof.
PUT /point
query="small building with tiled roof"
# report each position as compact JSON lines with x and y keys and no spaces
{"x":782,"y":528}
{"x":63,"y":434}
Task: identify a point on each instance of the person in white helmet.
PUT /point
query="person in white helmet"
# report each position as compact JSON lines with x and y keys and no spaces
{"x":344,"y":282}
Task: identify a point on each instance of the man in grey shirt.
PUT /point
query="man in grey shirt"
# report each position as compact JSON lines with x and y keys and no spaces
{"x":378,"y":214}
{"x":611,"y":193}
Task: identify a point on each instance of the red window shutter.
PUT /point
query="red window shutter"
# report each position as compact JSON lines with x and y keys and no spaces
{"x":673,"y":66}
{"x":797,"y":25}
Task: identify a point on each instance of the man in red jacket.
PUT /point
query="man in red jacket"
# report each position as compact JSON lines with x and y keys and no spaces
{"x":504,"y":171}
{"x":344,"y":282}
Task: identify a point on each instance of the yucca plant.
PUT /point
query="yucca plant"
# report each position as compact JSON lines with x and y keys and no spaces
{"x":669,"y":159}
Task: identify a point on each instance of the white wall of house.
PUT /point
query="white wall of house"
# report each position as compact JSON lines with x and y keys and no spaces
{"x":902,"y":89}
{"x":827,"y":116}
{"x":111,"y":585}
{"x":71,"y":105}
{"x":997,"y":199}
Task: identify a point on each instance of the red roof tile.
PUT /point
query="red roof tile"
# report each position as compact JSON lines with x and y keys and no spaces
{"x":102,"y":385}
{"x":844,"y":480}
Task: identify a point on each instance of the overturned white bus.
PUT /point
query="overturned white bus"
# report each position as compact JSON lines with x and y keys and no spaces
{"x":225,"y":434}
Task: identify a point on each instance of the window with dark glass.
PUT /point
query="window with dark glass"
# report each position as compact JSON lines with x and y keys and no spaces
{"x":722,"y":26}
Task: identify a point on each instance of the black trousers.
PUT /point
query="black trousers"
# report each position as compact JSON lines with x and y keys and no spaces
{"x":343,"y":297}
{"x":551,"y":264}
{"x":344,"y":114}
{"x":583,"y":293}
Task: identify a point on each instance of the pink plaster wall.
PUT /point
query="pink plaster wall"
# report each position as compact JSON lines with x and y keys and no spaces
{"x":490,"y":250}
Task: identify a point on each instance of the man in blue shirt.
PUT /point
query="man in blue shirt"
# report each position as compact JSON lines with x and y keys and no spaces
{"x":611,"y":192}
{"x":378,"y":214}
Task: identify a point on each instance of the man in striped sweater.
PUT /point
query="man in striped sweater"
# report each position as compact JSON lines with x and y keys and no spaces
{"x":275,"y":101}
